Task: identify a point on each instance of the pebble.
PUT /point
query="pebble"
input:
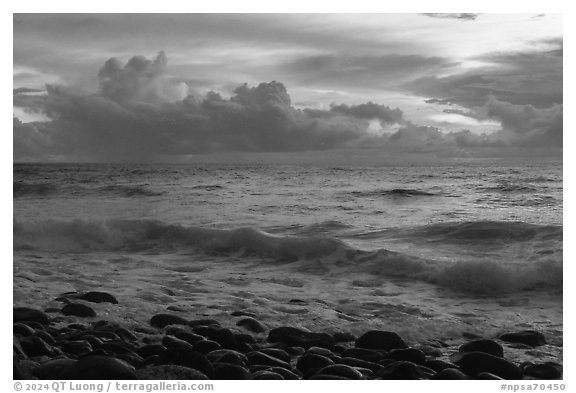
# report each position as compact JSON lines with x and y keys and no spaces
{"x":378,"y":339}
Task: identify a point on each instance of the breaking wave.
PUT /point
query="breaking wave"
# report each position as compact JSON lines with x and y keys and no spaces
{"x":472,"y":277}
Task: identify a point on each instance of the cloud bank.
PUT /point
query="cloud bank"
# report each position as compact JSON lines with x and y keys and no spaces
{"x":141,"y":114}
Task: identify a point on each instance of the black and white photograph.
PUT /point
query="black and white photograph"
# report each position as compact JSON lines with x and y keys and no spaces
{"x":287,"y":196}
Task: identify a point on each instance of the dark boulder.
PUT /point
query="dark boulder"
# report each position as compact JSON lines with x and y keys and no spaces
{"x":259,"y":358}
{"x":100,"y":367}
{"x":548,"y":370}
{"x":528,"y":337}
{"x":341,"y":370}
{"x":404,"y":370}
{"x":187,"y":358}
{"x":170,"y":372}
{"x":450,"y":374}
{"x":53,"y":369}
{"x":473,"y":363}
{"x":487,"y":346}
{"x":311,"y":361}
{"x":99,"y":297}
{"x":368,"y":355}
{"x":380,"y":340}
{"x":252,"y":325}
{"x":22,"y":314}
{"x":409,"y":354}
{"x":299,"y":338}
{"x":79,"y":310}
{"x":265,"y":374}
{"x":228,"y":371}
{"x":206,"y":346}
{"x":162,"y":320}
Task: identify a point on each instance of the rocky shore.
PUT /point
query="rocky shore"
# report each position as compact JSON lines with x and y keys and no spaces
{"x":73,"y":343}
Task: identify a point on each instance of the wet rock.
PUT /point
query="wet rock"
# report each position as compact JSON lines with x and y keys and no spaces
{"x":252,"y":325}
{"x":190,"y":338}
{"x":187,"y":358}
{"x":23,"y":330}
{"x":35,"y":346}
{"x":488,"y":376}
{"x":79,"y":310}
{"x":328,"y":377}
{"x":244,"y":338}
{"x":125,"y":334}
{"x":548,"y":370}
{"x":150,"y":349}
{"x":22,"y":314}
{"x":341,"y":370}
{"x":528,"y":337}
{"x":77,"y":348}
{"x":228,"y":371}
{"x":439,"y":365}
{"x":323,"y":352}
{"x":20,"y":372}
{"x":311,"y":361}
{"x":404,"y":370}
{"x":222,"y":336}
{"x":363,"y":354}
{"x":263,"y":374}
{"x":227,"y":356}
{"x":473,"y":363}
{"x":100,"y":367}
{"x":99,"y":297}
{"x":173,"y":342}
{"x":53,"y":369}
{"x":204,"y":322}
{"x":206,"y":346}
{"x":162,"y":320}
{"x":352,"y":362}
{"x":131,"y":358}
{"x":259,"y":358}
{"x":300,"y":338}
{"x":380,"y":340}
{"x":409,"y":354}
{"x":287,"y":374}
{"x":170,"y":372}
{"x":450,"y":374}
{"x":487,"y":346}
{"x":277,"y":353}
{"x":295,"y":351}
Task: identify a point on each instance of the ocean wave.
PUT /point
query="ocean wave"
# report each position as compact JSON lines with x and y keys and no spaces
{"x":21,"y":189}
{"x":477,"y":277}
{"x":509,"y":188}
{"x":129,"y":191}
{"x":395,"y":192}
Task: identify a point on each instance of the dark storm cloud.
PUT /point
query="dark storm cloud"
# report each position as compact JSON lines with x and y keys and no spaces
{"x":464,"y":16}
{"x":533,"y":77}
{"x":133,"y":119}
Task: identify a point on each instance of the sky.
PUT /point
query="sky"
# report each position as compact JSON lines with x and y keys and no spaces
{"x":175,"y":87}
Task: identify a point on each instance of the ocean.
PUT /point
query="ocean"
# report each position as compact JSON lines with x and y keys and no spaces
{"x":433,"y":252}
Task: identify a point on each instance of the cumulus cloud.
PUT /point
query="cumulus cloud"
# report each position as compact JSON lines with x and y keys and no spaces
{"x":137,"y":116}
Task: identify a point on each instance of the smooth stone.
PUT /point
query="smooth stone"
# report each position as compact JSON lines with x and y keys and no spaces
{"x":241,"y":313}
{"x":341,"y":370}
{"x":175,"y":308}
{"x":206,"y":346}
{"x":353,"y":362}
{"x":222,"y":336}
{"x":150,"y":349}
{"x":449,"y":374}
{"x":53,"y":369}
{"x":22,"y":314}
{"x":229,"y":371}
{"x":277,"y":353}
{"x":439,"y":365}
{"x":404,"y":370}
{"x":203,"y":322}
{"x":244,"y":338}
{"x":131,"y":358}
{"x":125,"y":334}
{"x":100,"y":367}
{"x":20,"y":372}
{"x":327,"y":377}
{"x":323,"y":352}
{"x":99,"y":297}
{"x":295,"y":351}
{"x":190,"y":338}
{"x":488,"y":376}
{"x":312,"y":361}
{"x":162,"y":320}
{"x":259,"y":358}
{"x":382,"y":340}
{"x":17,"y":348}
{"x":252,"y":325}
{"x":78,"y":310}
{"x":78,"y":348}
{"x":287,"y":374}
{"x":487,"y":346}
{"x":173,"y":342}
{"x":409,"y":354}
{"x":227,"y":356}
{"x":117,"y":347}
{"x":44,"y":335}
{"x":264,"y":374}
{"x":473,"y":363}
{"x":169,"y":372}
{"x":546,"y":370}
{"x":344,"y":337}
{"x":34,"y":346}
{"x":528,"y":337}
{"x":368,"y":355}
{"x":299,"y":338}
{"x":23,"y":330}
{"x":187,"y":358}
